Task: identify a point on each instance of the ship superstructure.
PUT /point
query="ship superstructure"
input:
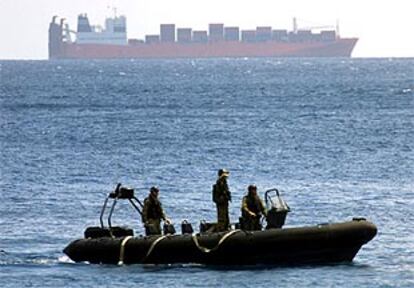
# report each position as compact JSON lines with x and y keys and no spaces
{"x":218,"y":40}
{"x":114,"y":32}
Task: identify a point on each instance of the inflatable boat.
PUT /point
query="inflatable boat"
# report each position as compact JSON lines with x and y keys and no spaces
{"x":323,"y":243}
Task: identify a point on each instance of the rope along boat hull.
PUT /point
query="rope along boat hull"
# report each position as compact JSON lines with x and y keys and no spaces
{"x":328,"y":243}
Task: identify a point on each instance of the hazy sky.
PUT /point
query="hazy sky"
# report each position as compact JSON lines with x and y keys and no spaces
{"x":385,"y":28}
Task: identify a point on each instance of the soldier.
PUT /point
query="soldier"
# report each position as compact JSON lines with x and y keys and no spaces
{"x":152,"y":213}
{"x":222,"y":196}
{"x":252,"y":210}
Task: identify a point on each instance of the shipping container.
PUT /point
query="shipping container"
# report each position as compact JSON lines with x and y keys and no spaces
{"x":150,"y":39}
{"x":200,"y":37}
{"x":184,"y":35}
{"x":167,"y":32}
{"x":232,"y":34}
{"x":329,"y":35}
{"x":280,"y":35}
{"x":248,"y":36}
{"x":263,"y":33}
{"x":216,"y":32}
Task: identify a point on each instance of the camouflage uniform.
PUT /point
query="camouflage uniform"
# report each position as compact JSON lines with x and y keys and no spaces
{"x":252,"y":204}
{"x":221,"y":197}
{"x":152,"y":214}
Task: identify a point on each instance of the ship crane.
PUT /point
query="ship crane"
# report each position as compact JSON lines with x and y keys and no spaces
{"x":68,"y":32}
{"x":66,"y":37}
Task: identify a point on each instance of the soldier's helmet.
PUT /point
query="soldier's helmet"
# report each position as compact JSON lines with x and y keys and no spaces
{"x":223,"y":172}
{"x":252,"y":187}
{"x":154,"y":189}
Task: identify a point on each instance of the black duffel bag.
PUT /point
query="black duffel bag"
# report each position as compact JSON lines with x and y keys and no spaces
{"x":168,"y":229}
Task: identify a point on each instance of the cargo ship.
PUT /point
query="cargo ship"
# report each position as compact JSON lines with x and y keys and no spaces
{"x":111,"y":41}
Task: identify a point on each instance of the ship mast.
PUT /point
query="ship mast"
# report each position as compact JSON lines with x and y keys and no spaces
{"x":295,"y":25}
{"x":337,"y":28}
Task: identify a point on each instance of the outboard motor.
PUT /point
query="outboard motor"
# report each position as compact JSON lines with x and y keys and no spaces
{"x":277,"y":209}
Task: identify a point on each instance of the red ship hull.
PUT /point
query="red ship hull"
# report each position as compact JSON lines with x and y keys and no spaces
{"x":339,"y":48}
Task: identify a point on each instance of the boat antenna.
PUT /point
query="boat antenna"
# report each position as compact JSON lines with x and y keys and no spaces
{"x":113,"y":9}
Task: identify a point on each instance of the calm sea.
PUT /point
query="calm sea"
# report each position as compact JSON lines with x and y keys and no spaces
{"x":336,"y":136}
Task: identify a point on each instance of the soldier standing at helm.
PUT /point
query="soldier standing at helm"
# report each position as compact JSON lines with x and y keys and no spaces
{"x":252,"y":210}
{"x":152,"y":213}
{"x":222,"y":196}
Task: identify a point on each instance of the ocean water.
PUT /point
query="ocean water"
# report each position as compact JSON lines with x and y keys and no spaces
{"x":335,"y":136}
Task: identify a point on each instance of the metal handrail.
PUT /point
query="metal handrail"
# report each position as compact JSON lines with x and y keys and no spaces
{"x":116,"y":195}
{"x":269,"y":199}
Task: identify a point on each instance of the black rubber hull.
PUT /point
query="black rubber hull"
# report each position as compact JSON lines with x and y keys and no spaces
{"x":317,"y":244}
